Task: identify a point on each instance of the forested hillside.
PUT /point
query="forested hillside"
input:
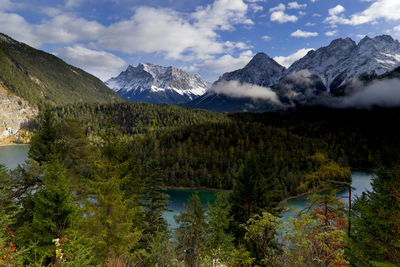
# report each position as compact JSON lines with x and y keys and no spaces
{"x":95,"y":198}
{"x":39,"y":77}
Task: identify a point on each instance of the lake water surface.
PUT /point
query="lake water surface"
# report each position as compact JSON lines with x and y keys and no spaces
{"x":13,"y":155}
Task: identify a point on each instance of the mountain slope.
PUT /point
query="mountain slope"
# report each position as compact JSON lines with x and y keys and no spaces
{"x":157,"y":84}
{"x":261,"y":70}
{"x":39,"y":77}
{"x":343,"y":61}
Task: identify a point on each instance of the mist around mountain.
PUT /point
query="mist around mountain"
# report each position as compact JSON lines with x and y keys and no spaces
{"x":342,"y":74}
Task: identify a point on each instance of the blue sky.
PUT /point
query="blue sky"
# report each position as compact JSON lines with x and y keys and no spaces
{"x":209,"y":37}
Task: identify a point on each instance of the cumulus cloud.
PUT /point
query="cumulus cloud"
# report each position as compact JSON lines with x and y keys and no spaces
{"x":330,"y":33}
{"x":295,"y":5}
{"x":309,"y":24}
{"x":278,"y":14}
{"x":228,"y":63}
{"x":287,"y":61}
{"x":303,"y":34}
{"x":379,"y":93}
{"x":179,"y":36}
{"x":380,"y":9}
{"x":7,"y":5}
{"x":99,"y":63}
{"x":256,"y":8}
{"x":282,"y":17}
{"x":239,"y":90}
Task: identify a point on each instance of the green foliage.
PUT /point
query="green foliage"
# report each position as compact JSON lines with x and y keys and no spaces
{"x":108,"y":220}
{"x":53,"y":211}
{"x":219,"y":241}
{"x":191,"y":232}
{"x":42,"y":78}
{"x":262,"y":232}
{"x":241,"y":258}
{"x":375,"y":239}
{"x":161,"y":251}
{"x":253,"y":192}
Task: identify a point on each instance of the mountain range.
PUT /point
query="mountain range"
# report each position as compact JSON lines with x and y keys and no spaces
{"x":336,"y":69}
{"x":157,"y":84}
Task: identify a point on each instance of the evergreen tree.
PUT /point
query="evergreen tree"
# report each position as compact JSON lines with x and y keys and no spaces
{"x":375,"y":239}
{"x":190,"y":235}
{"x":156,"y":201}
{"x":43,"y":143}
{"x":109,"y":218}
{"x":253,"y":192}
{"x":219,"y":241}
{"x":53,"y":211}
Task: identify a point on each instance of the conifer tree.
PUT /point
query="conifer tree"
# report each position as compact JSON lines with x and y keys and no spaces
{"x":219,"y":240}
{"x":53,"y":211}
{"x":190,"y":235}
{"x":43,"y":143}
{"x":109,"y":218}
{"x":375,"y":239}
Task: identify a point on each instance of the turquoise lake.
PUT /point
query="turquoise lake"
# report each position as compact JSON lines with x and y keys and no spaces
{"x":13,"y":155}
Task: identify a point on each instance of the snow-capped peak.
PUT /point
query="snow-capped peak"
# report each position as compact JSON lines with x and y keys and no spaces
{"x":167,"y":84}
{"x":344,"y":60}
{"x":261,"y":70}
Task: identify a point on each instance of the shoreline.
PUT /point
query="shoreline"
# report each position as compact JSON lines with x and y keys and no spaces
{"x":195,"y":188}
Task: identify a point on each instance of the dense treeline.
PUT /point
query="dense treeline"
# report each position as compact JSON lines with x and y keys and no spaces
{"x":82,"y":201}
{"x":213,"y":154}
{"x":135,"y":118}
{"x":370,"y":138}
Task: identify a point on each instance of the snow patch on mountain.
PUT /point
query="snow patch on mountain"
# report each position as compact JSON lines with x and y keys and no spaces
{"x":157,"y":84}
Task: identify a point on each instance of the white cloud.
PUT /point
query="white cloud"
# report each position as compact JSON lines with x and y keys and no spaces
{"x":397,"y":28}
{"x":303,"y":34}
{"x":384,"y":93}
{"x":316,"y":15}
{"x":228,"y":63}
{"x":336,"y":10}
{"x":313,"y":1}
{"x":295,"y":5}
{"x":99,"y":63}
{"x":287,"y":61}
{"x":256,"y":8}
{"x":280,"y":7}
{"x":380,"y":9}
{"x":178,"y":36}
{"x":7,"y":5}
{"x":266,"y":38}
{"x":73,"y":3}
{"x":255,"y":1}
{"x":238,"y":90}
{"x":51,"y":11}
{"x":330,"y":33}
{"x":282,"y":17}
{"x":309,"y":24}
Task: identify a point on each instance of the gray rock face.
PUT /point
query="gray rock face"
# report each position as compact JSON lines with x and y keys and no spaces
{"x":342,"y":61}
{"x":156,"y":84}
{"x":261,"y":70}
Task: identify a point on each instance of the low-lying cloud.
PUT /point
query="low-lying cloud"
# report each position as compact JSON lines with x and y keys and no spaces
{"x":236,"y":89}
{"x":384,"y":93}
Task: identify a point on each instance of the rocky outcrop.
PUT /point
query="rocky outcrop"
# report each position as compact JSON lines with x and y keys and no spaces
{"x":15,"y":113}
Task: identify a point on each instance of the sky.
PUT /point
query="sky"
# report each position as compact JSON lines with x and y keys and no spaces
{"x":209,"y":37}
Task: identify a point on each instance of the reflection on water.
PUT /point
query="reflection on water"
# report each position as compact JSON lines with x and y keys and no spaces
{"x":178,"y":197}
{"x":11,"y":156}
{"x":361,"y":182}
